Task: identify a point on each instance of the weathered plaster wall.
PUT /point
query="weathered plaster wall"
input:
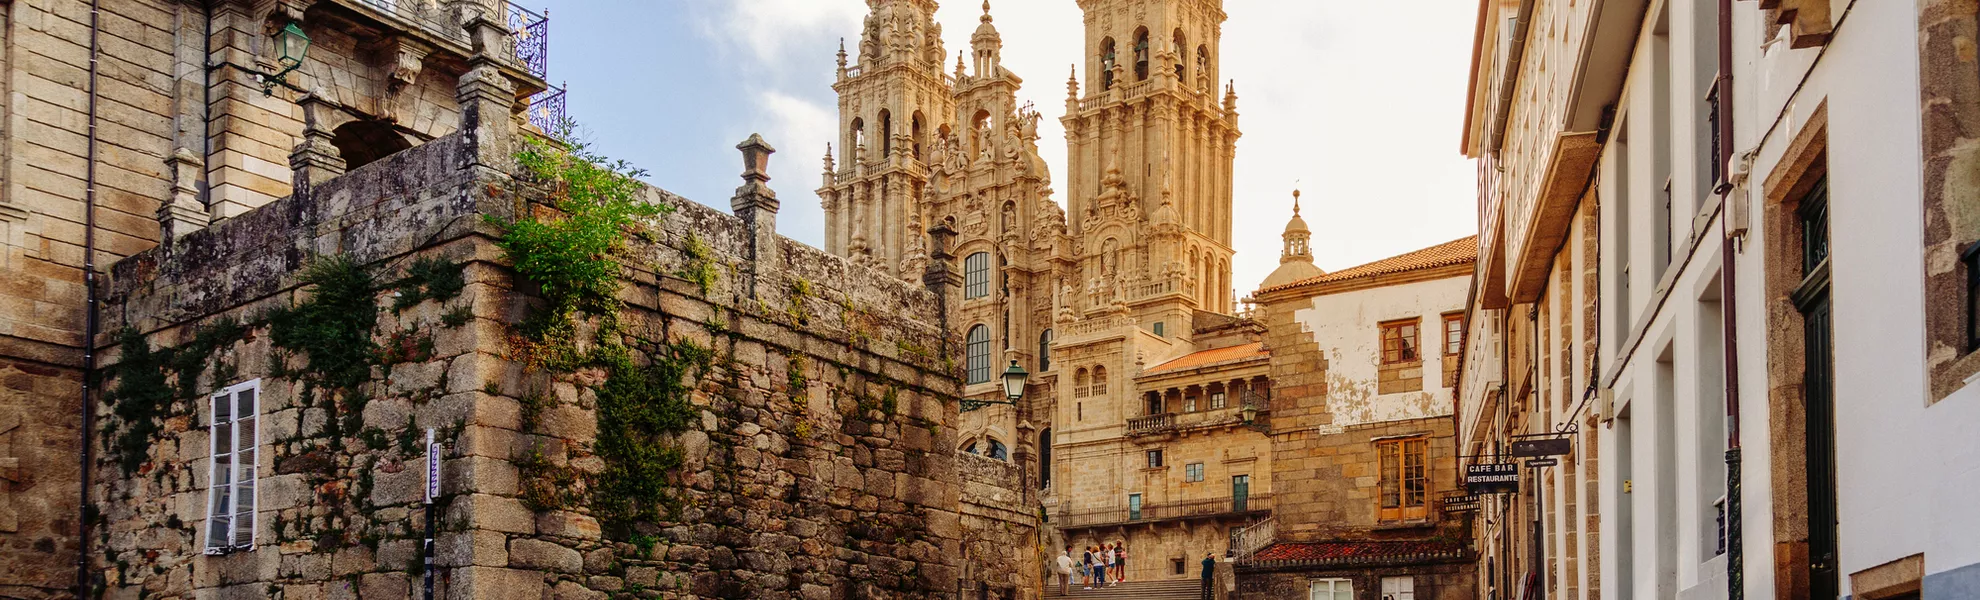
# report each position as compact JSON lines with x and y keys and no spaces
{"x":1345,"y":325}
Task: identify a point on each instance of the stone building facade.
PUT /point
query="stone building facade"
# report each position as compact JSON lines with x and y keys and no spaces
{"x":131,"y":123}
{"x":1363,"y":447}
{"x":1133,"y":273}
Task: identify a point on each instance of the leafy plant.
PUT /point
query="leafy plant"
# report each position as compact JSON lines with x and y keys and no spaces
{"x":572,"y":255}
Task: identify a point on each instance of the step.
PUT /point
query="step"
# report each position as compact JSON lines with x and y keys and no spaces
{"x":1172,"y":589}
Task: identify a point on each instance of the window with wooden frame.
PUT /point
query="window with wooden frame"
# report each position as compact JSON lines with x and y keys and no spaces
{"x":1399,"y":342}
{"x":1453,"y":334}
{"x":1405,"y":483}
{"x":233,"y":435}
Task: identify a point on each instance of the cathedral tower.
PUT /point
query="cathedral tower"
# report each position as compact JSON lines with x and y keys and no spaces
{"x":892,"y":105}
{"x":1153,"y":121}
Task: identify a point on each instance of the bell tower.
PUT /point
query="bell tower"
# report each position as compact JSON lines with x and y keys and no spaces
{"x":894,"y":105}
{"x":1154,"y":117}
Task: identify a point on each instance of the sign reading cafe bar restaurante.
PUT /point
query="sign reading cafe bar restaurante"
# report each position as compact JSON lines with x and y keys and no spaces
{"x":1491,"y":478}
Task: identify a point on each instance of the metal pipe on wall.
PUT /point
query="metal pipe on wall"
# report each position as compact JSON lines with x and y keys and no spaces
{"x":83,"y":512}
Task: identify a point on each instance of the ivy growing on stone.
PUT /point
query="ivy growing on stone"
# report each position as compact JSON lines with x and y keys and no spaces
{"x":333,"y":329}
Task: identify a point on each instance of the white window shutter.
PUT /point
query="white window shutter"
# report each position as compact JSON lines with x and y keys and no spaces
{"x":247,"y":434}
{"x":234,"y":436}
{"x":219,"y":474}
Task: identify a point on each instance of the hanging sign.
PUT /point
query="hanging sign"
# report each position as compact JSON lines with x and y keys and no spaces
{"x":1543,"y":462}
{"x":1458,"y":504}
{"x":1491,"y":478}
{"x":1541,"y":447}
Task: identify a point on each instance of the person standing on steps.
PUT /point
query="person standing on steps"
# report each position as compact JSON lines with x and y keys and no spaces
{"x":1064,"y":567}
{"x":1120,"y":561}
{"x":1107,"y":563}
{"x":1086,"y":568}
{"x":1209,"y":576}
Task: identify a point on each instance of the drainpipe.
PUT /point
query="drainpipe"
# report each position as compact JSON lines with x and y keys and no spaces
{"x":89,"y":312}
{"x":1735,"y":556}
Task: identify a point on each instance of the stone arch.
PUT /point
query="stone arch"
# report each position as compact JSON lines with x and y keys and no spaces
{"x":1108,"y":57}
{"x":361,"y":142}
{"x":886,"y":133}
{"x":1182,"y":52}
{"x":1141,"y":51}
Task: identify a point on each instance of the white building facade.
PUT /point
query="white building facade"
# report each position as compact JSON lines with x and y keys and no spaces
{"x":1825,"y":238}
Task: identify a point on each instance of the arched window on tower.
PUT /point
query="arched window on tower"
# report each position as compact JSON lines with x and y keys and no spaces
{"x":1182,"y":50}
{"x":977,"y":353}
{"x":361,"y":142}
{"x":1203,"y":61}
{"x":1141,"y":54}
{"x":886,"y":133}
{"x":979,"y":133}
{"x":918,"y":138}
{"x":1099,"y":381}
{"x":1081,"y":382}
{"x":858,"y":141}
{"x":1045,"y":351}
{"x":1107,"y":58}
{"x":1045,"y":458}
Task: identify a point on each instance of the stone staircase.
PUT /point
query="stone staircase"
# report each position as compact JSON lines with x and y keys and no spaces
{"x":1175,"y":589}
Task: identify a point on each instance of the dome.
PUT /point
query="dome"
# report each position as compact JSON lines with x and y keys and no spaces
{"x":1297,"y":225}
{"x":1291,"y":272}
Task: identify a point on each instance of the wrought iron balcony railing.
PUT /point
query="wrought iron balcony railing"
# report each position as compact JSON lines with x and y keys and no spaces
{"x":1233,"y":506}
{"x":530,"y":32}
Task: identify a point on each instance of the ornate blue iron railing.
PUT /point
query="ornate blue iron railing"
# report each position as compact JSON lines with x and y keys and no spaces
{"x":531,"y":33}
{"x":546,"y":109}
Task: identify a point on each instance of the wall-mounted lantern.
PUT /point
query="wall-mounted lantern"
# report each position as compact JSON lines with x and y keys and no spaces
{"x":291,"y":46}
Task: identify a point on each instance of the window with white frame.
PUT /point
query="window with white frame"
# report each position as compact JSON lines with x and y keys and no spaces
{"x":232,"y":436}
{"x":1193,"y":472}
{"x":1398,"y":588}
{"x":1330,"y":589}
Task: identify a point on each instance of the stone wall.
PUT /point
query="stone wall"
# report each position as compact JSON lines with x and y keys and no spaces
{"x":817,"y":463}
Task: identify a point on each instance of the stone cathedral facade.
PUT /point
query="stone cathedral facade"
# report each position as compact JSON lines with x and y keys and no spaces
{"x":1132,"y":273}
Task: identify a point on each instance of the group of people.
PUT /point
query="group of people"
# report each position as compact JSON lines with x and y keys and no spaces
{"x":1095,"y":567}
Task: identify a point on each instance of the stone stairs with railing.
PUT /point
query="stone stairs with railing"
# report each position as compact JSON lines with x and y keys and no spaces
{"x":1174,"y":589}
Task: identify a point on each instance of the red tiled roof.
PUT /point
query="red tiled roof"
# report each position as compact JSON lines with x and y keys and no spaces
{"x":1454,"y":252}
{"x":1358,"y":551}
{"x":1211,"y":357}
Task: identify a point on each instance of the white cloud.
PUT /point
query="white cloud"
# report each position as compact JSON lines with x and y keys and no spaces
{"x":769,"y":30}
{"x":799,"y":129}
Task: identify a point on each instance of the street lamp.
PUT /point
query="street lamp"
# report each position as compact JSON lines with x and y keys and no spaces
{"x":291,"y":46}
{"x":1014,"y":379}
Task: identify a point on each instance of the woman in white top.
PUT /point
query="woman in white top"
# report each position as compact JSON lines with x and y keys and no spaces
{"x":1108,"y":556}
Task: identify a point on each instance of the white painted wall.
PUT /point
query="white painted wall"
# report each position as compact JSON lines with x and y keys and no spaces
{"x":1346,"y":327}
{"x":1908,"y":472}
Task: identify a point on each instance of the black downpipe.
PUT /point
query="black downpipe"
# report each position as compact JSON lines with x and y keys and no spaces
{"x":1735,"y":554}
{"x":84,"y":515}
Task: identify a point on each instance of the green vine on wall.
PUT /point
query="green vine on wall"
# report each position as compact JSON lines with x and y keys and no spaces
{"x":574,"y":256}
{"x":333,"y":329}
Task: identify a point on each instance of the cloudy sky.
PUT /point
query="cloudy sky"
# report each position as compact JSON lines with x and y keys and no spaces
{"x":1360,"y":102}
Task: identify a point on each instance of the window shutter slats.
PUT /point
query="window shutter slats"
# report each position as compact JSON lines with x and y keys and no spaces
{"x":234,"y":438}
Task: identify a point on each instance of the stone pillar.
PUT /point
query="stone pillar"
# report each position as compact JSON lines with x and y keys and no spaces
{"x":486,"y":96}
{"x":756,"y":204}
{"x":942,"y":278}
{"x":183,"y":213}
{"x":314,"y":159}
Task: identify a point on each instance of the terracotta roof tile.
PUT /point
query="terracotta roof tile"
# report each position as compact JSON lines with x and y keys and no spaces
{"x":1212,"y":356}
{"x":1454,"y":252}
{"x":1358,"y":552}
